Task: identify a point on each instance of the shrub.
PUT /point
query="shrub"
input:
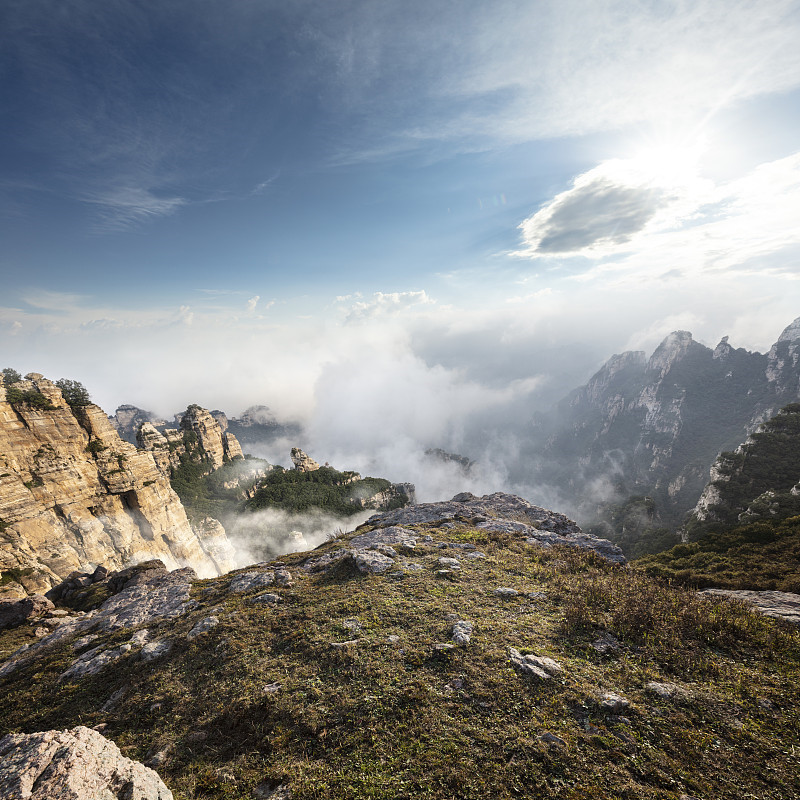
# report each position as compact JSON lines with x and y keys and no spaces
{"x":74,"y":392}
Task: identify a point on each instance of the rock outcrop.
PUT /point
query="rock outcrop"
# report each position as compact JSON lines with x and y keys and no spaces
{"x":377,"y":550}
{"x":76,"y":764}
{"x":303,"y":462}
{"x":74,"y":495}
{"x":128,"y":419}
{"x":758,"y":479}
{"x":218,"y":445}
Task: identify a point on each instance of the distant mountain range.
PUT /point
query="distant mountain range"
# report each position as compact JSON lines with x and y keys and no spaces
{"x":646,"y":431}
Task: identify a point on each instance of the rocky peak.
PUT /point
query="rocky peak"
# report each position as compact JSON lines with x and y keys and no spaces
{"x":783,"y":363}
{"x":256,"y":415}
{"x":791,"y":333}
{"x":723,"y":350}
{"x":303,"y":462}
{"x":611,"y":377}
{"x":672,"y":349}
{"x":221,"y":418}
{"x":218,"y":446}
{"x":128,"y":419}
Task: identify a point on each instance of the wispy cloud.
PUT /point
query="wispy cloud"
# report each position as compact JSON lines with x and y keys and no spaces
{"x":130,"y":206}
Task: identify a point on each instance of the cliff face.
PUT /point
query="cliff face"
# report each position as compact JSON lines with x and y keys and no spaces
{"x":758,"y":480}
{"x":654,"y":426}
{"x":73,"y":494}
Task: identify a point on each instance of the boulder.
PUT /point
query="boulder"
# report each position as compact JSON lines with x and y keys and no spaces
{"x":17,"y":612}
{"x":76,"y":764}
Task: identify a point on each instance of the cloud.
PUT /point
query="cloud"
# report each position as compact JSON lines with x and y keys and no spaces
{"x":595,"y":211}
{"x":630,"y":228}
{"x":252,"y":303}
{"x":382,"y":305}
{"x":130,"y":206}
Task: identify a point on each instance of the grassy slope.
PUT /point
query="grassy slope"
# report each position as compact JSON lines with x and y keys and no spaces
{"x":377,"y":719}
{"x":761,"y":555}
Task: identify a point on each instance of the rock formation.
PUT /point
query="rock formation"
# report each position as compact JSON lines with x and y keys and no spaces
{"x":128,"y":419}
{"x":74,"y":495}
{"x":75,"y":764}
{"x":303,"y":462}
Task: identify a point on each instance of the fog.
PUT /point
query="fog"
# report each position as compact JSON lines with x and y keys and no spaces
{"x":373,"y":383}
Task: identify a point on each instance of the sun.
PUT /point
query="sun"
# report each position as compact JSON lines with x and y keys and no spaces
{"x":668,"y":164}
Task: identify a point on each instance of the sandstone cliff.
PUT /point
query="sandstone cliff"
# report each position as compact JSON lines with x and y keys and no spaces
{"x":74,"y":495}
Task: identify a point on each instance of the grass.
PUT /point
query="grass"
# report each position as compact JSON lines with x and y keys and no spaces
{"x":760,"y":555}
{"x":382,"y":719}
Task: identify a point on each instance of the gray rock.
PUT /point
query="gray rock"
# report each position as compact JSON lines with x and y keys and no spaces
{"x":462,"y":631}
{"x":552,"y":739}
{"x":269,"y":790}
{"x":384,"y":549}
{"x":77,"y":764}
{"x":525,"y":666}
{"x":252,"y":580}
{"x":449,"y":563}
{"x":666,"y":691}
{"x":393,"y":535}
{"x":268,"y":598}
{"x":370,"y":562}
{"x":503,"y":512}
{"x":505,"y":592}
{"x":607,"y":645}
{"x":781,"y":605}
{"x":204,"y":626}
{"x":153,"y":650}
{"x":283,"y":578}
{"x":475,"y":555}
{"x":326,"y":560}
{"x":92,"y":661}
{"x":613,"y":703}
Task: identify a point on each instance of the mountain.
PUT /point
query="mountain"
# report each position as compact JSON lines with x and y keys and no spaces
{"x":744,"y":532}
{"x":481,"y":647}
{"x":74,"y":495}
{"x":650,"y":428}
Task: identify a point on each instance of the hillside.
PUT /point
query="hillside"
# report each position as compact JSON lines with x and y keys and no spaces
{"x":630,"y":451}
{"x":745,"y":530}
{"x":477,"y":648}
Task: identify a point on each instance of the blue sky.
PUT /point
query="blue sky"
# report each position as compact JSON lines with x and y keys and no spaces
{"x":230,"y":202}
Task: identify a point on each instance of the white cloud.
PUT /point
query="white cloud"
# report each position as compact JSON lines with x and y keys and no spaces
{"x":252,"y":303}
{"x":640,"y":231}
{"x":386,"y":304}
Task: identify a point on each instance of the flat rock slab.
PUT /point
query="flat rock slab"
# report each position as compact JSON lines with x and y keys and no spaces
{"x":500,"y":512}
{"x":393,"y":535}
{"x":75,"y":764}
{"x":781,"y":605}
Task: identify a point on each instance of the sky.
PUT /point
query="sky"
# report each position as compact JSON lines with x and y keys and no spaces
{"x":393,"y":221}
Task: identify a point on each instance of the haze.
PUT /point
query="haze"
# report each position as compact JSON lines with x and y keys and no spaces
{"x":403,"y":224}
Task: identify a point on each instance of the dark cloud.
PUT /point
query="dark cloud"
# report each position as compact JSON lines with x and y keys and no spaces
{"x":595,"y":211}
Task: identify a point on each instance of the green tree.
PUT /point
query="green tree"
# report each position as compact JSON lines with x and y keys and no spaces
{"x":10,"y":376}
{"x":74,"y":392}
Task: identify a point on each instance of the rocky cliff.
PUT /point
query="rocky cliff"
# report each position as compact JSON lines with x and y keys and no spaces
{"x":654,"y":426}
{"x":74,"y":495}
